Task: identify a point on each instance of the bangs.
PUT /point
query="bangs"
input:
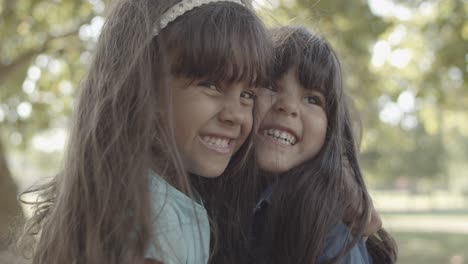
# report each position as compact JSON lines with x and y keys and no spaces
{"x":315,"y":63}
{"x":224,"y":42}
{"x":316,"y":68}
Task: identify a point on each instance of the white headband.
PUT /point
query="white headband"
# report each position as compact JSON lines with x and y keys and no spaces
{"x":183,"y":7}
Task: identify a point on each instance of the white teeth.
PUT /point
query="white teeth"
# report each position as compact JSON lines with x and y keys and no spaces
{"x":282,"y":136}
{"x":217,"y":142}
{"x":285,"y":136}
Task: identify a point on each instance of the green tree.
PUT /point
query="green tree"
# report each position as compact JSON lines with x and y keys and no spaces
{"x":43,"y":50}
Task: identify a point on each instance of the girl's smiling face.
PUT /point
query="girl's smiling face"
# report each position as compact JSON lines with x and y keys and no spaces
{"x":211,"y":122}
{"x":292,"y":124}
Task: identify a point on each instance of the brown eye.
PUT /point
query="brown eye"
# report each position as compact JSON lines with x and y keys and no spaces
{"x":209,"y":85}
{"x":248,"y":95}
{"x":273,"y":88}
{"x":313,"y":99}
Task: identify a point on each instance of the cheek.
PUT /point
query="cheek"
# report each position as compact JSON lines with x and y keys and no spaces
{"x":321,"y":131}
{"x":317,"y":130}
{"x":181,"y":123}
{"x":181,"y":131}
{"x":262,"y":106}
{"x":247,"y":123}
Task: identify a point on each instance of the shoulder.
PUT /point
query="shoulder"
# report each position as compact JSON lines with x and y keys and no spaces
{"x":179,"y":225}
{"x":167,"y":244}
{"x":173,"y":209}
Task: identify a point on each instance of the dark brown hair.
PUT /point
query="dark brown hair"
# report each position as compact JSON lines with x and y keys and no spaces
{"x":312,"y":198}
{"x":96,"y":210}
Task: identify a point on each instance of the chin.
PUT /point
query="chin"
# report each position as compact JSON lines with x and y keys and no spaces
{"x":272,"y":166}
{"x":209,"y":172}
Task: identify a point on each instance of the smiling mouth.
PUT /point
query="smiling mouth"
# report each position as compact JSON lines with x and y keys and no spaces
{"x":280,"y":136}
{"x":218,"y":144}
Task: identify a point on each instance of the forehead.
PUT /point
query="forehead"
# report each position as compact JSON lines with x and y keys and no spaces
{"x":222,"y":68}
{"x":224,"y":43}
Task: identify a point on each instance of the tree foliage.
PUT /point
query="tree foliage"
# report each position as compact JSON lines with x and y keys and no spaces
{"x":43,"y":53}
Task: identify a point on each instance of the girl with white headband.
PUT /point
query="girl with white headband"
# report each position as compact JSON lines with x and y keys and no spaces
{"x":165,"y":107}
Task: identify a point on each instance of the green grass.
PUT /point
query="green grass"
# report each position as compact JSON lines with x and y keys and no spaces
{"x":432,"y":248}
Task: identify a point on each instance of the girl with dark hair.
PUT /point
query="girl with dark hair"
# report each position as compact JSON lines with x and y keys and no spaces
{"x":167,"y":102}
{"x":306,"y":151}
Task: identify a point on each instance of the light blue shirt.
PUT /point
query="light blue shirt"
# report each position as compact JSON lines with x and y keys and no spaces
{"x":181,"y":233}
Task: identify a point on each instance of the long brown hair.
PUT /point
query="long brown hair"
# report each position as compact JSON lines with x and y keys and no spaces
{"x":96,"y":210}
{"x":311,"y":199}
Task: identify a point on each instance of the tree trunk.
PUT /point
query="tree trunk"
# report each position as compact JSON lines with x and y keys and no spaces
{"x":9,"y":206}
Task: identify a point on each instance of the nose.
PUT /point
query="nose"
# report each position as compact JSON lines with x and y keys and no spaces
{"x":287,"y":104}
{"x":233,"y":113}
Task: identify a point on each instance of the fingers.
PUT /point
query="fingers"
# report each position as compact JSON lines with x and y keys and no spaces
{"x":374,"y":222}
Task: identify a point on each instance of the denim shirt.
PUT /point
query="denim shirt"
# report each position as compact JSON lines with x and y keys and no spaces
{"x":337,"y":239}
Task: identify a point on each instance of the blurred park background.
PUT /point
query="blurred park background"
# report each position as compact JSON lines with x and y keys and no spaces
{"x":405,"y":64}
